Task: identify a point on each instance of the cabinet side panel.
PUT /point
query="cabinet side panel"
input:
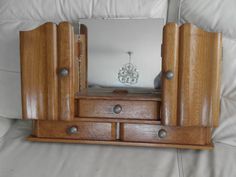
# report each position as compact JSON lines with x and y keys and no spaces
{"x":83,"y":58}
{"x":198,"y":91}
{"x":170,"y":48}
{"x":216,"y":59}
{"x":76,"y":64}
{"x":38,"y":70}
{"x":66,"y":61}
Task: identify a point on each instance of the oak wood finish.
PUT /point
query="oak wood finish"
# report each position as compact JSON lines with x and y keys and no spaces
{"x":83,"y":57}
{"x":119,"y":120}
{"x":38,"y":54}
{"x":120,"y":143}
{"x":186,"y":108}
{"x":86,"y":130}
{"x":66,"y":59}
{"x":130,"y":109}
{"x":175,"y":135}
{"x":111,"y":94}
{"x":199,"y":76}
{"x":44,"y":52}
{"x":76,"y":64}
{"x":134,"y":134}
{"x":170,"y":59}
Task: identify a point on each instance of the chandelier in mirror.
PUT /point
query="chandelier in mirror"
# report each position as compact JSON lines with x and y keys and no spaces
{"x":128,"y":74}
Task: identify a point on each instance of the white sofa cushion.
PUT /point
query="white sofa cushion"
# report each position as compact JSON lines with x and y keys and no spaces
{"x":71,"y":10}
{"x":211,"y":15}
{"x":5,"y":125}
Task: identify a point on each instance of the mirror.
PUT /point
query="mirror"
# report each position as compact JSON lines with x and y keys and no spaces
{"x":123,"y":52}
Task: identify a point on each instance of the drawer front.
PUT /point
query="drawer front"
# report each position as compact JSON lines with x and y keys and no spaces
{"x":164,"y":134}
{"x":76,"y":130}
{"x":119,"y":109}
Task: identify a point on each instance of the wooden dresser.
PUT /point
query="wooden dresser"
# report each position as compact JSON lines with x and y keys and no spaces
{"x":180,"y":115}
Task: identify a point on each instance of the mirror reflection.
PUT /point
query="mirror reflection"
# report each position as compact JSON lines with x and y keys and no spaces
{"x":123,"y":52}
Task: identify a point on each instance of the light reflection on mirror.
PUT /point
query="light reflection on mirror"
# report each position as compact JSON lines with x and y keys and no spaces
{"x":109,"y":42}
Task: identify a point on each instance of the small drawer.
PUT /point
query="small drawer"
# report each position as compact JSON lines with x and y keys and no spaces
{"x":76,"y":130}
{"x":163,"y":134}
{"x":119,"y":109}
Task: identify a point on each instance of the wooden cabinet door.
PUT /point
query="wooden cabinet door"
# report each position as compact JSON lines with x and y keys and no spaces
{"x":191,"y":92}
{"x":38,"y":53}
{"x":49,"y":63}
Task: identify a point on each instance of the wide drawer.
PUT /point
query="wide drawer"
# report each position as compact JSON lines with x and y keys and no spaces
{"x":119,"y":109}
{"x":164,"y":134}
{"x":75,"y":130}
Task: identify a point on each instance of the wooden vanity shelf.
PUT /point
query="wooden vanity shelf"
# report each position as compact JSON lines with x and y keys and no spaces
{"x":180,"y":115}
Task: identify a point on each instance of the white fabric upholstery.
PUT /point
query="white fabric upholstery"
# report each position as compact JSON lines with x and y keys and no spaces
{"x":214,"y":15}
{"x":71,"y":10}
{"x":226,"y":133}
{"x":5,"y":124}
{"x":26,"y":159}
{"x":220,"y":162}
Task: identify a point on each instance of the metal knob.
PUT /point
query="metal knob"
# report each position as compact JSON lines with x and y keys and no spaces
{"x":117,"y":109}
{"x":162,"y":133}
{"x":72,"y":130}
{"x":169,"y":75}
{"x":64,"y":72}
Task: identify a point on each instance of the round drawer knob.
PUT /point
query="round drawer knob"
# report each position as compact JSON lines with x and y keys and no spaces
{"x":162,"y":133}
{"x":169,"y":75}
{"x":72,"y":130}
{"x":63,"y":72}
{"x":117,"y":109}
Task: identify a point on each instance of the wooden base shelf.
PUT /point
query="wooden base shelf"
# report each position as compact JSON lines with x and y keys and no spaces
{"x":119,"y":143}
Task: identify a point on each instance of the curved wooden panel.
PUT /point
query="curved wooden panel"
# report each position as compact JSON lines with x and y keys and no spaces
{"x":66,"y":57}
{"x":38,"y":53}
{"x":199,"y":76}
{"x":170,"y":55}
{"x":46,"y":94}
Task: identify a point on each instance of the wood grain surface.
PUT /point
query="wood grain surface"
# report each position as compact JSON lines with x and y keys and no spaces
{"x":76,"y":64}
{"x":199,"y":77}
{"x":119,"y":120}
{"x":83,"y":69}
{"x":38,"y":54}
{"x":130,"y":109}
{"x":86,"y":130}
{"x":120,"y":143}
{"x":170,"y":59}
{"x":66,"y":59}
{"x":111,"y":94}
{"x":44,"y":51}
{"x":175,"y":135}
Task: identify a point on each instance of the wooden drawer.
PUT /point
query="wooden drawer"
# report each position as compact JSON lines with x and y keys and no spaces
{"x":164,"y":134}
{"x":75,"y":130}
{"x":119,"y":109}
